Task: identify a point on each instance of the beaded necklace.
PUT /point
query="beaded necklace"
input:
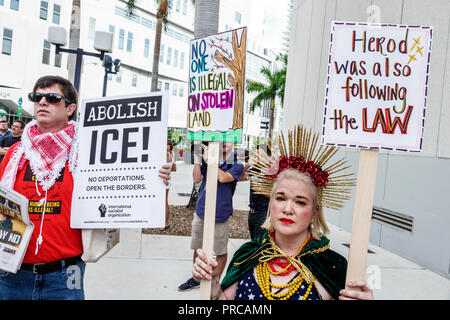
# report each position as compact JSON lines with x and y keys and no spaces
{"x":265,"y":268}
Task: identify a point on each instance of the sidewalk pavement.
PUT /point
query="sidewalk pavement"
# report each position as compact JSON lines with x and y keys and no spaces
{"x":151,"y":267}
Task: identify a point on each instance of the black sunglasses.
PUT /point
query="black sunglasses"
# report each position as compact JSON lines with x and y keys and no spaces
{"x":50,"y":97}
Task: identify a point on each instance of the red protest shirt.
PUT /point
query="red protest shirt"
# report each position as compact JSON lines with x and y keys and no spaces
{"x":60,"y":241}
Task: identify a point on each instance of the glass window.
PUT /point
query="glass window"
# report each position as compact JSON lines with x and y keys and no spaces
{"x":166,"y":86}
{"x":184,"y":7}
{"x":112,"y":29}
{"x":159,"y":85}
{"x":182,"y":60}
{"x":174,"y":90}
{"x":180,"y":91}
{"x":58,"y":59}
{"x":170,"y":4}
{"x":56,"y":13}
{"x":43,"y":10}
{"x":146,"y":47}
{"x":169,"y":55}
{"x":7,"y":41}
{"x":161,"y":54}
{"x":175,"y":58}
{"x":130,"y":41}
{"x":14,"y":5}
{"x":46,"y":53}
{"x":134,"y":80}
{"x":178,"y":5}
{"x":2,"y":2}
{"x":119,"y":76}
{"x":91,"y":35}
{"x":121,"y":38}
{"x":237,"y":17}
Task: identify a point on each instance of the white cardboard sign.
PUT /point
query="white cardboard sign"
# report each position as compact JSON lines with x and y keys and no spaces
{"x":376,"y":89}
{"x":122,"y":147}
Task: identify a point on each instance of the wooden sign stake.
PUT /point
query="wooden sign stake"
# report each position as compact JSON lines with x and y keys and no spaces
{"x":210,"y":212}
{"x":362,"y":214}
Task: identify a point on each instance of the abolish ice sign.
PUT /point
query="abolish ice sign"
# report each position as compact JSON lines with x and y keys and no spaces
{"x":122,"y":147}
{"x":377,"y":86}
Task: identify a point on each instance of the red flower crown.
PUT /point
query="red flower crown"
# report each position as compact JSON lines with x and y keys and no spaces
{"x":318,"y":176}
{"x":300,"y":150}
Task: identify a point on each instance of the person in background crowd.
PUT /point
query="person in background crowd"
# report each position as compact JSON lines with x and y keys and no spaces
{"x":4,"y":129}
{"x":5,"y":143}
{"x":258,"y":203}
{"x":172,"y":167}
{"x":228,"y":174}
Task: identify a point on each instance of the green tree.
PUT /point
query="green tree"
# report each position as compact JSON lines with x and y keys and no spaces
{"x":276,"y":84}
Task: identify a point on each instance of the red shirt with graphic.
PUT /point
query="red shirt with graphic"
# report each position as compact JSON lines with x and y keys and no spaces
{"x":60,"y":241}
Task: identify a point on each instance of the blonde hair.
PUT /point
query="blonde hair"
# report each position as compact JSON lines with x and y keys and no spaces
{"x":319,"y":228}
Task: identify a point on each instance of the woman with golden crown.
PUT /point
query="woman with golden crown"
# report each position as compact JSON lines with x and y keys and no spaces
{"x":292,"y":259}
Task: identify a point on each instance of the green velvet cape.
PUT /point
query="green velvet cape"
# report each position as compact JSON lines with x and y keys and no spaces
{"x":327,"y":266}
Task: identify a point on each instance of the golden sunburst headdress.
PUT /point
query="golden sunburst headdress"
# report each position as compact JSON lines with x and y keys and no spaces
{"x":301,"y":153}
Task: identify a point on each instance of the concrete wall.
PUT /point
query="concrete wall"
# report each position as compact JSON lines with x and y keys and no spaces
{"x":413,"y":185}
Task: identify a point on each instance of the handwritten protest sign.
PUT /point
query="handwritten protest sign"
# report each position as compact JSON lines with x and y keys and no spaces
{"x":123,"y":147}
{"x":216,"y":87}
{"x":375,"y":99}
{"x":377,"y":86}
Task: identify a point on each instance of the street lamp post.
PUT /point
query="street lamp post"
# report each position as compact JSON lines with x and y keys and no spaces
{"x":102,"y":42}
{"x":107,"y":64}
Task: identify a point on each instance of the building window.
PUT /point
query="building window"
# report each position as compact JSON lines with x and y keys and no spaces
{"x":14,"y":5}
{"x":46,"y":53}
{"x":169,"y":55}
{"x":175,"y":58}
{"x":180,"y":91}
{"x":166,"y":86}
{"x":112,"y":29}
{"x":91,"y":35}
{"x":7,"y":41}
{"x":58,"y":59}
{"x":237,"y":17}
{"x":56,"y":13}
{"x":130,"y":41}
{"x":184,"y":7}
{"x":159,"y":85}
{"x":182,"y":60}
{"x":174,"y":90}
{"x":2,"y":2}
{"x":119,"y":76}
{"x":178,"y":5}
{"x":44,"y":10}
{"x":121,"y":38}
{"x":146,"y":48}
{"x":134,"y":80}
{"x":161,"y":54}
{"x":170,"y":4}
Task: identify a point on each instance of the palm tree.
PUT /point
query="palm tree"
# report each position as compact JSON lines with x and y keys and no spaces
{"x":276,"y":84}
{"x":74,"y":37}
{"x":161,"y":15}
{"x":206,"y":21}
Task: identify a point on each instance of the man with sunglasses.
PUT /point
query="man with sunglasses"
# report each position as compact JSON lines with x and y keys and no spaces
{"x":40,"y":167}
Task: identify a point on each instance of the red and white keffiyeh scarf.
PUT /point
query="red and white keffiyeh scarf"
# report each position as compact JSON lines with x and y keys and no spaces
{"x":48,"y":154}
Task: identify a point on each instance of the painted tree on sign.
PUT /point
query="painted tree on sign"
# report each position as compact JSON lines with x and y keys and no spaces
{"x":236,"y":64}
